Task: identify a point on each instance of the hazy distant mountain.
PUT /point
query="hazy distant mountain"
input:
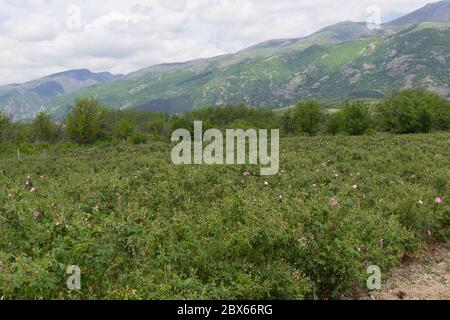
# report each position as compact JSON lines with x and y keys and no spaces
{"x":22,"y":101}
{"x":345,"y":60}
{"x":434,"y":12}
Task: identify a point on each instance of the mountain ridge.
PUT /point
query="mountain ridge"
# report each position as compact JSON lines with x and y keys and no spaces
{"x":344,"y":60}
{"x":24,"y":100}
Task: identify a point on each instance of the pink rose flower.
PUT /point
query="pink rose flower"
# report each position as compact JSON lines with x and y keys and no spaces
{"x":334,"y":202}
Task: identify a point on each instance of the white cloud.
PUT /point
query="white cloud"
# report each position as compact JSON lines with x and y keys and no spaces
{"x":123,"y":36}
{"x":33,"y":27}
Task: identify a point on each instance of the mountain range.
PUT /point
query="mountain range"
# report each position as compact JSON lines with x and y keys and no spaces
{"x":347,"y":60}
{"x":23,"y":101}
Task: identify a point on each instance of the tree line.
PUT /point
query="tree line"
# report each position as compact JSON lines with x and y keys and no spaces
{"x":89,"y":121}
{"x":406,"y":111}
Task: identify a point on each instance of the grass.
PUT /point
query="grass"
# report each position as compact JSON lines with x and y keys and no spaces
{"x":141,"y":228}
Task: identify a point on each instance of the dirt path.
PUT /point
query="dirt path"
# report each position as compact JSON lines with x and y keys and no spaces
{"x":425,"y":277}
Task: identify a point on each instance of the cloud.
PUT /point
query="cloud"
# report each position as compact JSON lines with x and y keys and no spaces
{"x":34,"y":27}
{"x":38,"y":37}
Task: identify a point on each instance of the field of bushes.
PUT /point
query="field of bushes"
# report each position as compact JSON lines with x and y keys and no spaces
{"x":140,"y":227}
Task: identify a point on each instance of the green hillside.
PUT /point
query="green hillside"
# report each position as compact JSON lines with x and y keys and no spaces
{"x":364,"y":69}
{"x":344,"y":61}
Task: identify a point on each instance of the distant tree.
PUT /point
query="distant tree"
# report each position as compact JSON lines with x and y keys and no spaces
{"x":86,"y":122}
{"x":356,"y":117}
{"x":138,"y":138}
{"x":123,"y":129}
{"x":177,"y":122}
{"x":335,"y":123}
{"x":287,"y":122}
{"x":5,"y":127}
{"x":21,"y":132}
{"x":44,"y":129}
{"x":157,"y":127}
{"x":413,"y":111}
{"x":441,"y":120}
{"x":307,"y":117}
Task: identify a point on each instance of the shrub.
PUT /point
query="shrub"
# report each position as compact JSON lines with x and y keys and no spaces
{"x":413,"y":111}
{"x":157,"y":128}
{"x":5,"y":127}
{"x":86,"y":122}
{"x":334,"y":123}
{"x":44,"y":129}
{"x":139,"y":138}
{"x":307,"y":117}
{"x":287,"y":123}
{"x":441,"y":115}
{"x":356,"y":118}
{"x":123,"y":129}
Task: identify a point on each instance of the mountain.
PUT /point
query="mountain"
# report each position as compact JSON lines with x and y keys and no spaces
{"x":343,"y":61}
{"x":438,"y":12}
{"x":23,"y":101}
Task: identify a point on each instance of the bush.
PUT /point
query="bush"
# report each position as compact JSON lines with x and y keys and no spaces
{"x":141,"y":228}
{"x":224,"y":117}
{"x":413,"y":111}
{"x":86,"y":122}
{"x":307,"y":117}
{"x":5,"y":127}
{"x":287,"y":123}
{"x":157,"y":128}
{"x":139,"y":138}
{"x":44,"y":129}
{"x":441,"y":115}
{"x":334,"y":123}
{"x":123,"y":129}
{"x":356,"y":118}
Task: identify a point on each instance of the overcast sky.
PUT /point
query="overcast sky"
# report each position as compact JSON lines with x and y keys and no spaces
{"x":39,"y":37}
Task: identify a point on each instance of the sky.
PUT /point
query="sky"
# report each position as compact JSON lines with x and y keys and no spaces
{"x":41,"y":37}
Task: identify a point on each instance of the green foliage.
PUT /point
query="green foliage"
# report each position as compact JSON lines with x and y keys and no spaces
{"x":308,"y":117}
{"x":335,"y":123}
{"x":138,"y":138}
{"x":226,"y":117}
{"x":86,"y":122}
{"x":123,"y":129}
{"x":287,"y":123}
{"x":5,"y":127}
{"x":157,"y":128}
{"x":356,"y":118}
{"x":413,"y":111}
{"x":177,"y":122}
{"x":141,"y":228}
{"x":441,"y":115}
{"x":44,"y":129}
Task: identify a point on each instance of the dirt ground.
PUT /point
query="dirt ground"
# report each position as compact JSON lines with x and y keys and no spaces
{"x":424,"y":276}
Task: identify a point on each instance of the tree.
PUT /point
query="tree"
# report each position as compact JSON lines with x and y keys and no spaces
{"x":5,"y":127}
{"x":177,"y":122}
{"x":44,"y":129}
{"x":86,"y":122}
{"x":441,"y":114}
{"x":413,"y":111}
{"x":308,"y":116}
{"x":123,"y":129}
{"x":156,"y":127}
{"x":287,"y":122}
{"x":334,"y":123}
{"x":356,"y":117}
